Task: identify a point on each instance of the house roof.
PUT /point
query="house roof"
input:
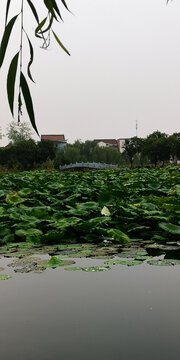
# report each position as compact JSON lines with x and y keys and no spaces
{"x":53,"y":137}
{"x":107,"y":141}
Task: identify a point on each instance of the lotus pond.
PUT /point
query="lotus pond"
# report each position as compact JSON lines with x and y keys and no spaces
{"x":121,"y":206}
{"x":89,"y":265}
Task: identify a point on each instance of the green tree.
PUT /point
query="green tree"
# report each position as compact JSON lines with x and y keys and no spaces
{"x":132,"y":147}
{"x":47,"y":151}
{"x":21,"y":155}
{"x":174,"y":142}
{"x":71,"y":154}
{"x":44,"y":31}
{"x":156,"y":147}
{"x":19,"y":131}
{"x":88,"y":151}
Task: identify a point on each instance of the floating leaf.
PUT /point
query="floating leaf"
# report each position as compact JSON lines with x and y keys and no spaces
{"x":5,"y":277}
{"x":124,"y":262}
{"x":55,"y":262}
{"x":89,"y":269}
{"x":164,"y":262}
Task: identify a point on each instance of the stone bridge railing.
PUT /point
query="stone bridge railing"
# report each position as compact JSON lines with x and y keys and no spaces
{"x":88,"y":165}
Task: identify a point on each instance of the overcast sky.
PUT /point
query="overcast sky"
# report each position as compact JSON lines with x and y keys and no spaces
{"x":124,"y":66}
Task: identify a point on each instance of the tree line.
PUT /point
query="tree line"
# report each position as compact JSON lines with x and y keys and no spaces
{"x":23,"y":153}
{"x":156,"y":149}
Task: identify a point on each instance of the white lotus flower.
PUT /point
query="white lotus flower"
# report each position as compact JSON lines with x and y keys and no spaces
{"x":105,"y":211}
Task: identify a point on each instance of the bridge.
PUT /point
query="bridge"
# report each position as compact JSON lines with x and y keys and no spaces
{"x":87,"y":166}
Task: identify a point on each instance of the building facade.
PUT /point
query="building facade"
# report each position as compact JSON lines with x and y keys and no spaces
{"x":113,"y":143}
{"x":58,"y":140}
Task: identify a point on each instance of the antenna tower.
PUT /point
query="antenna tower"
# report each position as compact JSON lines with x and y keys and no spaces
{"x":136,"y":128}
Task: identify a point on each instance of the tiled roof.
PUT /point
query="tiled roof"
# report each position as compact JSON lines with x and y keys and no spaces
{"x":53,"y":137}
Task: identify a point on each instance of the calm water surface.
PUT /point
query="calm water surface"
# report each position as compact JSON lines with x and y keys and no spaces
{"x":125,"y":313}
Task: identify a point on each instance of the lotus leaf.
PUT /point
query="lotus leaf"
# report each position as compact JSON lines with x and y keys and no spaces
{"x":5,"y":277}
{"x":171,"y":228}
{"x":164,"y":262}
{"x":119,"y":236}
{"x":89,"y":269}
{"x":55,"y":262}
{"x":124,"y":262}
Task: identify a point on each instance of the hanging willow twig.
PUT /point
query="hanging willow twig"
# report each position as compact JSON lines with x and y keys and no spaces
{"x":43,"y":31}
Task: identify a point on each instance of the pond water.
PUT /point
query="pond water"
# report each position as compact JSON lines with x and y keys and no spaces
{"x":125,"y":313}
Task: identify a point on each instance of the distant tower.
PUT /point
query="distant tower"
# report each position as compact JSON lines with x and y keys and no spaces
{"x":136,"y":128}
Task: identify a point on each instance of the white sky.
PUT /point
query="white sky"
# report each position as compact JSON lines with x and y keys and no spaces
{"x":124,"y":66}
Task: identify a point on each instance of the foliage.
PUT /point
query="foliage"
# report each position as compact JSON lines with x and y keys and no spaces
{"x":157,"y":148}
{"x":46,"y":150}
{"x":132,"y":147}
{"x":55,"y":207}
{"x":18,"y":131}
{"x":174,"y":141}
{"x":26,"y":154}
{"x":43,"y":31}
{"x":88,"y":151}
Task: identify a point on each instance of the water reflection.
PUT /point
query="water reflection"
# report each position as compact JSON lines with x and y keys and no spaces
{"x":126,"y":313}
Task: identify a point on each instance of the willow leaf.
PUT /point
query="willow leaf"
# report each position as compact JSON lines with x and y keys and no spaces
{"x":49,"y":26}
{"x":64,"y":3}
{"x":11,"y":78}
{"x":19,"y":107}
{"x":31,"y":58}
{"x":56,"y":8}
{"x":33,"y":10}
{"x":28,"y":101}
{"x":5,"y":39}
{"x":49,"y":5}
{"x":39,"y":27}
{"x":60,"y":43}
{"x":7,"y":10}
